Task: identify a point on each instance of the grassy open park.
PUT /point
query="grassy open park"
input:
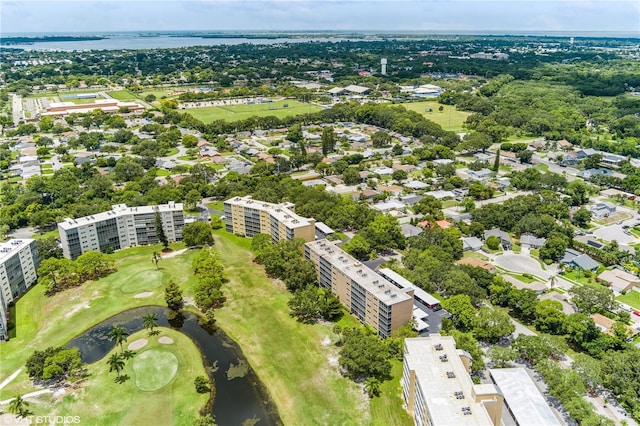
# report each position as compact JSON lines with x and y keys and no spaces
{"x":123,"y":95}
{"x":450,"y":118}
{"x":159,"y":390}
{"x":243,"y":111}
{"x":296,"y":362}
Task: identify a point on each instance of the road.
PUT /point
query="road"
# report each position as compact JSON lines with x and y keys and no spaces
{"x":16,"y":108}
{"x":569,"y":172}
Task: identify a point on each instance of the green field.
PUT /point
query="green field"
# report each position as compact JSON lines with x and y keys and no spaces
{"x":160,"y":387}
{"x":123,"y":95}
{"x":450,"y":118}
{"x":632,"y":298}
{"x":296,"y":362}
{"x":240,"y":112}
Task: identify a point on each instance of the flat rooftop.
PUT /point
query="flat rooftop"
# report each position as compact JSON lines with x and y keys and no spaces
{"x":441,"y":374}
{"x":525,"y":401}
{"x":117,"y":211}
{"x":401,"y":281}
{"x":366,"y":277}
{"x":11,"y":247}
{"x":282,"y":212}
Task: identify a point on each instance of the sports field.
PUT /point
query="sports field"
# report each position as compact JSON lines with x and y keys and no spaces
{"x":450,"y":118}
{"x":240,"y":112}
{"x":122,"y":95}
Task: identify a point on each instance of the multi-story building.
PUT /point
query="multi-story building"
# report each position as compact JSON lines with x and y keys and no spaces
{"x":370,"y":297}
{"x":18,"y":264}
{"x":248,"y":217}
{"x":438,"y":389}
{"x":120,"y":228}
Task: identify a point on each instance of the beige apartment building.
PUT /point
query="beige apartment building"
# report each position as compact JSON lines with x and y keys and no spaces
{"x":369,"y":296}
{"x":438,"y":390}
{"x":248,"y":217}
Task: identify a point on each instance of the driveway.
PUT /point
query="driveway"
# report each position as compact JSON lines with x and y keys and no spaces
{"x":522,"y":263}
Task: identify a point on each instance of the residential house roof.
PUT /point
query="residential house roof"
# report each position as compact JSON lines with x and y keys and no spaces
{"x":477,"y":263}
{"x":580,"y":260}
{"x":619,"y":280}
{"x":471,"y":243}
{"x":410,"y":230}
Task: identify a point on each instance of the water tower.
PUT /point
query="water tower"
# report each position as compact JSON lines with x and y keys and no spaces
{"x":383,"y":66}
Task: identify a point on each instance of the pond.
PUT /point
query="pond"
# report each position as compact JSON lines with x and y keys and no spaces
{"x":239,"y":396}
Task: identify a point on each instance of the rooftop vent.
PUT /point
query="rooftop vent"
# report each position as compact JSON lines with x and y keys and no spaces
{"x":451,"y":375}
{"x":438,"y":347}
{"x":466,"y":411}
{"x":444,"y":358}
{"x":459,"y":395}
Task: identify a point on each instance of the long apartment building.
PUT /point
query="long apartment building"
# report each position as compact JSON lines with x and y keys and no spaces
{"x":370,"y":297}
{"x":438,"y":390}
{"x":119,"y":228}
{"x":248,"y":217}
{"x":18,"y":264}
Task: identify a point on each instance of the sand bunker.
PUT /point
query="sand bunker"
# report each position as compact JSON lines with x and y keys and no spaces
{"x":143,"y":295}
{"x":165,"y":340}
{"x":138,"y":344}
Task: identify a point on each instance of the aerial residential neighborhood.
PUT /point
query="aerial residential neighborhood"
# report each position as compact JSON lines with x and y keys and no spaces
{"x":317,"y":227}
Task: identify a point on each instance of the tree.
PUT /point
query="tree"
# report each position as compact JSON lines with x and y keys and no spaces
{"x":364,"y":355}
{"x":202,"y":384}
{"x":536,"y":348}
{"x":501,"y":356}
{"x":19,"y":407}
{"x":550,"y":317}
{"x":150,"y":321}
{"x":525,"y":156}
{"x":206,"y":420}
{"x":328,"y":140}
{"x":578,"y":191}
{"x":173,"y":296}
{"x":372,"y":387}
{"x":351,"y":176}
{"x":305,"y":305}
{"x":162,"y":237}
{"x":523,"y":304}
{"x":189,"y":141}
{"x":492,"y":324}
{"x":116,"y":363}
{"x":462,"y":312}
{"x":358,"y":247}
{"x":196,"y":234}
{"x":581,"y":330}
{"x":399,"y":175}
{"x":380,"y":139}
{"x":592,"y":161}
{"x":155,"y":258}
{"x":496,"y":162}
{"x":582,"y":217}
{"x":429,"y":206}
{"x":493,"y":242}
{"x":192,"y":198}
{"x":118,"y":335}
{"x":48,"y":248}
{"x":215,"y":223}
{"x":590,"y":299}
{"x":384,"y":232}
{"x":554,"y":247}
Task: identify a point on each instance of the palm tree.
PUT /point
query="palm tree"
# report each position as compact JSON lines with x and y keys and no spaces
{"x":116,"y":362}
{"x":127,"y":355}
{"x":150,"y":320}
{"x":156,"y":258}
{"x":372,"y":387}
{"x":119,"y":336}
{"x":19,"y":407}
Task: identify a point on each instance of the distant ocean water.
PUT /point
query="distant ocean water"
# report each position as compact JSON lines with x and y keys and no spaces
{"x":151,"y":40}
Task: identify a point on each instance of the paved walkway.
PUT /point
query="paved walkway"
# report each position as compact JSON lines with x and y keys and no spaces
{"x":10,"y":378}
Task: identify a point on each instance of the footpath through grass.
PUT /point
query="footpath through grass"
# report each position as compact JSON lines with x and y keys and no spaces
{"x":297,"y":363}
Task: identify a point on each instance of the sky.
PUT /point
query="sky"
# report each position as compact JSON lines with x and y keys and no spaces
{"x":500,"y":17}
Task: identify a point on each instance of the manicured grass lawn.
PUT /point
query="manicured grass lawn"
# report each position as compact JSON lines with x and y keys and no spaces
{"x":159,"y":391}
{"x":216,"y":205}
{"x":449,"y":203}
{"x":44,"y":321}
{"x":172,"y":151}
{"x":163,"y":172}
{"x":123,"y":95}
{"x":387,"y":409}
{"x":450,"y":118}
{"x":157,"y":93}
{"x":42,"y":235}
{"x":474,"y":255}
{"x":296,"y":362}
{"x":240,"y":112}
{"x":632,"y":298}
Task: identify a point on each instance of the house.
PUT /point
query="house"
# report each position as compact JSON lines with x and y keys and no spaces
{"x":590,"y":240}
{"x":479,"y":174}
{"x":360,"y":90}
{"x":589,"y":173}
{"x":619,"y":280}
{"x":476,"y":263}
{"x":394,"y":190}
{"x":410,"y":230}
{"x":612,"y":160}
{"x":365,"y":194}
{"x":576,"y":259}
{"x":471,"y":243}
{"x":509,"y":156}
{"x":602,"y":210}
{"x":504,"y":237}
{"x":569,"y":159}
{"x":441,"y":194}
{"x":484,"y":156}
{"x":531,"y":241}
{"x":564,"y":144}
{"x":389,"y":206}
{"x":584,"y":153}
{"x":503,"y":183}
{"x":442,"y":161}
{"x":411,"y":199}
{"x":606,"y":325}
{"x":383,"y":171}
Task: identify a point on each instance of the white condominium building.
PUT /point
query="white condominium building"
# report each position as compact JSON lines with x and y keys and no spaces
{"x":120,"y":228}
{"x":18,"y":263}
